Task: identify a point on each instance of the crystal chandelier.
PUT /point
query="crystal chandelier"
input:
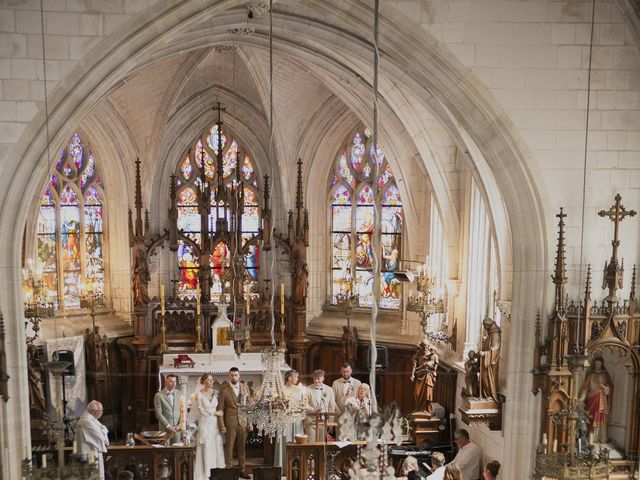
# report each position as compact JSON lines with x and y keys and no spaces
{"x":272,"y":410}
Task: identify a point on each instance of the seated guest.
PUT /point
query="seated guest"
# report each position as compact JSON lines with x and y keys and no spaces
{"x":468,"y":456}
{"x":491,"y":470}
{"x":91,"y":435}
{"x":321,"y":400}
{"x":409,"y":468}
{"x":361,"y":402}
{"x":437,"y":464}
{"x":452,"y":472}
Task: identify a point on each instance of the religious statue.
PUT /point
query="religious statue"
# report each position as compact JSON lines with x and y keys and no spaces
{"x":489,"y":360}
{"x":96,"y":347}
{"x":597,"y":393}
{"x":35,"y":370}
{"x":299,"y":272}
{"x":423,"y":376}
{"x":349,"y":344}
{"x":140,"y":279}
{"x":472,"y":369}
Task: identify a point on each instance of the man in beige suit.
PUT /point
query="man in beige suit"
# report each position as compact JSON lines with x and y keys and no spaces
{"x":167,"y":406}
{"x":321,"y":400}
{"x":345,"y":387}
{"x":232,"y":395}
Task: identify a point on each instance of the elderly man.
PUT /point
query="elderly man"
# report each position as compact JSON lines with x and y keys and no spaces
{"x":469,"y":456}
{"x":437,"y":466}
{"x":91,"y":435}
{"x":167,"y":406}
{"x":345,"y":387}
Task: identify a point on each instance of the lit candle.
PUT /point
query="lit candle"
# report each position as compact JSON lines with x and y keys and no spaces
{"x":44,"y":461}
{"x":75,"y":447}
{"x":555,"y":445}
{"x":248,"y":304}
{"x":162,"y":298}
{"x":182,"y":415}
{"x":282,"y":298}
{"x":544,"y":438}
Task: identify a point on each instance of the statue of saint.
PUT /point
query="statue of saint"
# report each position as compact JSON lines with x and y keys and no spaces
{"x":349,"y":344}
{"x":423,"y":376}
{"x":472,"y":369}
{"x":300,"y":272}
{"x":489,"y":360}
{"x":597,"y":393}
{"x":140,"y":279}
{"x":35,"y":370}
{"x":96,"y":349}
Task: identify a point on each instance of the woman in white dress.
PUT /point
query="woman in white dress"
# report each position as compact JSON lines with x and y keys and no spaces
{"x":209,"y":450}
{"x":295,"y":393}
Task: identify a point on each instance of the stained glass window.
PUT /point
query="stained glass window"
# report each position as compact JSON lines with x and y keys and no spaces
{"x":237,"y":167}
{"x":70,"y":227}
{"x":353,"y":201}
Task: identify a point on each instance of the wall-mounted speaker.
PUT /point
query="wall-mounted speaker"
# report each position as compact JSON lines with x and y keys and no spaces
{"x":382,"y":362}
{"x":66,"y":356}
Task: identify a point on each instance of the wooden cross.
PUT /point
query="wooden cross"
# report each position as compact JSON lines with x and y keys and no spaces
{"x":219,"y":109}
{"x":616,"y":213}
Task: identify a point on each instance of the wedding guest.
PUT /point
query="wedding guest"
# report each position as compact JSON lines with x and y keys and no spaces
{"x":491,"y":470}
{"x":167,"y":407}
{"x":91,"y":435}
{"x":361,"y":402}
{"x":409,"y":468}
{"x":296,"y":397}
{"x":468,"y":456}
{"x":452,"y":472}
{"x":209,"y":450}
{"x":344,"y":387}
{"x":437,"y":464}
{"x":321,"y":400}
{"x":232,"y":396}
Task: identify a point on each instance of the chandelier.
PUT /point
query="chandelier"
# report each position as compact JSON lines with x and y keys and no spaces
{"x":425,"y":305}
{"x":272,"y":410}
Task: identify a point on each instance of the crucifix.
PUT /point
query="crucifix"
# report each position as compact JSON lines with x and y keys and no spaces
{"x":613,"y":272}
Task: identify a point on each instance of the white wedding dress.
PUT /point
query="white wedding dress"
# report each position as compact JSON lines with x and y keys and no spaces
{"x":209,"y":450}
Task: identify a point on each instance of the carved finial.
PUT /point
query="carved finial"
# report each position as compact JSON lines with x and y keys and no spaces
{"x":290,"y":224}
{"x":632,"y":293}
{"x":560,"y":275}
{"x":305,"y":235}
{"x":146,"y":224}
{"x":266,"y":217}
{"x":587,"y":288}
{"x":138,"y":201}
{"x":299,"y":199}
{"x":131,"y":232}
{"x":538,"y":326}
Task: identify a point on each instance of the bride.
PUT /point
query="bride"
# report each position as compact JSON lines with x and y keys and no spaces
{"x":209,"y":451}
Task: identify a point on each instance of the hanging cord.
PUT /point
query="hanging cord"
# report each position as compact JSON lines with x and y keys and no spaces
{"x":376,"y":217}
{"x":272,"y":268}
{"x":46,"y":113}
{"x":584,"y":167}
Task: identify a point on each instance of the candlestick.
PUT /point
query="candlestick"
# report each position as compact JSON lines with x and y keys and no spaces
{"x":198,"y":300}
{"x":248,"y":304}
{"x":282,"y":298}
{"x":182,"y":415}
{"x":162,"y":298}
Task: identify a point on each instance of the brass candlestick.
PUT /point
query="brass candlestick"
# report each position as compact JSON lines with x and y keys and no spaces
{"x":283,"y":343}
{"x":163,"y":330}
{"x":198,"y":348}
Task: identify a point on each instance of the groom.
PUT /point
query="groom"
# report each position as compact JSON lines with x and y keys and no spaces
{"x":167,"y":406}
{"x":232,"y":395}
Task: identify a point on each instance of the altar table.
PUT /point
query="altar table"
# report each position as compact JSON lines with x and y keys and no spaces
{"x":147,"y":460}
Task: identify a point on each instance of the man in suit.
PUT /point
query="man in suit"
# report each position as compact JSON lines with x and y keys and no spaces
{"x":321,"y":400}
{"x":167,"y":405}
{"x":232,"y":395}
{"x":91,"y":435}
{"x":345,"y":387}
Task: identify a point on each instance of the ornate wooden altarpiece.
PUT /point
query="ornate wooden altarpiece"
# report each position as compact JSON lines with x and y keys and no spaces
{"x":142,"y":353}
{"x":579,"y":332}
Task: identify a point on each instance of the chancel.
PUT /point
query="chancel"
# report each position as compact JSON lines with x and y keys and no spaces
{"x":309,"y":239}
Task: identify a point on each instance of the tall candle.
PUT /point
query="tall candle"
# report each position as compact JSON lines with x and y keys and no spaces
{"x":182,"y":415}
{"x":248,"y":304}
{"x":282,"y":298}
{"x":555,"y":445}
{"x":44,"y":461}
{"x":198,"y":300}
{"x":162,"y":298}
{"x":544,"y":438}
{"x":75,"y":447}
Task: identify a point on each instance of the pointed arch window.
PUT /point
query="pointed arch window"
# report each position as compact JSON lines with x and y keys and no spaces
{"x":70,"y":227}
{"x":237,"y":168}
{"x":353,"y":201}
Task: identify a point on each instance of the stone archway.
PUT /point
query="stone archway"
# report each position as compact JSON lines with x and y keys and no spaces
{"x":411,"y":58}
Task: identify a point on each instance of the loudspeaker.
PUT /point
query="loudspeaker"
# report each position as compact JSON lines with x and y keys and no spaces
{"x":382,"y":361}
{"x":66,"y":356}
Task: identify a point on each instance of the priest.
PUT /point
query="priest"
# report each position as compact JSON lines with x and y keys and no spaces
{"x":91,"y":435}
